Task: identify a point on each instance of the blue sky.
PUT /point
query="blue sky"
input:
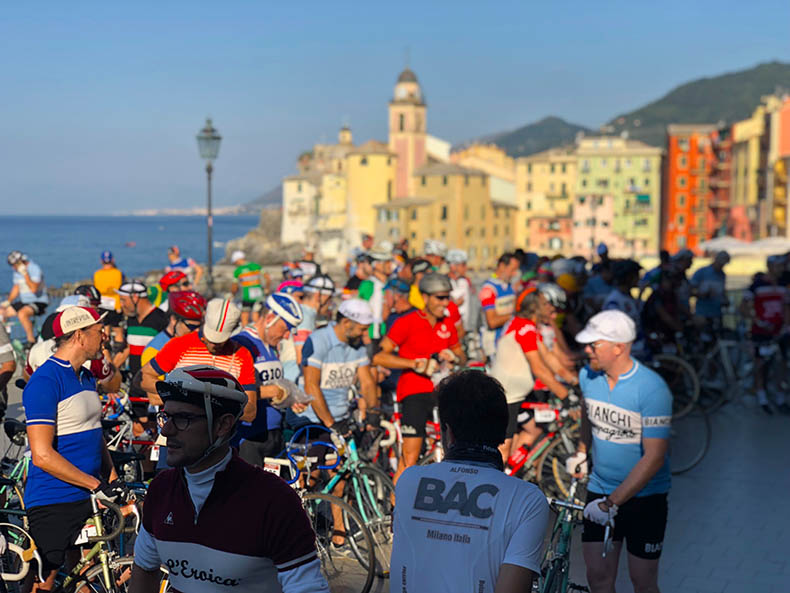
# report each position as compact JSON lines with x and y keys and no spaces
{"x":102,"y":101}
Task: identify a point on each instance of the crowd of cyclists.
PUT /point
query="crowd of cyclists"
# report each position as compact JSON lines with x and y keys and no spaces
{"x":219,"y":384}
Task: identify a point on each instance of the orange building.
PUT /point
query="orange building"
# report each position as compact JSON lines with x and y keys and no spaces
{"x":686,"y":219}
{"x":723,"y":220}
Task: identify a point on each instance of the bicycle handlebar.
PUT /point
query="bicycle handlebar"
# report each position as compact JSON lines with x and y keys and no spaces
{"x":92,"y":539}
{"x":564,"y":504}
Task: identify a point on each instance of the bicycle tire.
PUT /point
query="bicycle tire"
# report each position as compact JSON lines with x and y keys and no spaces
{"x":121,"y":568}
{"x":682,"y":380}
{"x":552,"y":477}
{"x":553,"y":581}
{"x":15,"y":502}
{"x":18,"y":558}
{"x":689,"y":440}
{"x":713,"y":382}
{"x":376,"y":512}
{"x":336,"y":567}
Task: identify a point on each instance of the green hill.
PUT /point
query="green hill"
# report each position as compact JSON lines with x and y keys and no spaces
{"x":726,"y":98}
{"x":535,"y":137}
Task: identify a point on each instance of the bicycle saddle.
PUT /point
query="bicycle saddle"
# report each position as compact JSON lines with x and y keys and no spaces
{"x":105,"y":424}
{"x":15,"y":430}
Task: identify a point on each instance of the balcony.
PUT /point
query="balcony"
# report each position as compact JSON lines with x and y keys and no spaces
{"x":719,"y":183}
{"x":699,"y":172}
{"x":718,"y":203}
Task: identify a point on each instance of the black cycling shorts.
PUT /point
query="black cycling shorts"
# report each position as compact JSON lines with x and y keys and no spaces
{"x":38,"y":308}
{"x":248,"y":306}
{"x":513,"y":426}
{"x":541,"y":396}
{"x":416,"y":410}
{"x":54,"y":528}
{"x":641,"y":522}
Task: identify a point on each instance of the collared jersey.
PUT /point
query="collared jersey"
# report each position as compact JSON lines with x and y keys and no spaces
{"x":249,"y":279}
{"x":183,"y":264}
{"x":639,"y":406}
{"x":25,"y":294}
{"x":154,"y":346}
{"x":140,"y":333}
{"x":456,"y":523}
{"x":306,"y":326}
{"x":189,"y":349}
{"x":769,"y":306}
{"x":417,"y":338}
{"x":338,"y":363}
{"x":268,"y":367}
{"x":57,"y":396}
{"x":511,"y":367}
{"x":499,"y":296}
{"x":271,"y":534}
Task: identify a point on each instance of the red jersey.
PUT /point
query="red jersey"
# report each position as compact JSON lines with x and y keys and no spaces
{"x":769,"y":306}
{"x":452,"y":314}
{"x":417,"y":338}
{"x":190,"y":349}
{"x":527,"y":336}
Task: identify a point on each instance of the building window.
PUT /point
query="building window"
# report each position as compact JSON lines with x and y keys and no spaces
{"x":414,"y":213}
{"x":551,"y":186}
{"x":482,"y":212}
{"x":701,"y":163}
{"x":683,"y":144}
{"x":389,"y":161}
{"x":444,"y":234}
{"x":627,"y":163}
{"x":680,"y":241}
{"x":485,"y":252}
{"x":555,"y":243}
{"x":466,"y":179}
{"x":599,"y":201}
{"x":383,"y":215}
{"x":646,"y":165}
{"x":529,"y":205}
{"x":473,"y":252}
{"x":466,"y":211}
{"x":444,"y":213}
{"x":681,"y":220}
{"x":682,"y":161}
{"x":563,"y":170}
{"x":584,"y":183}
{"x":299,"y":188}
{"x":552,"y":168}
{"x":581,"y":199}
{"x":401,"y":122}
{"x":529,"y":186}
{"x":529,"y":167}
{"x":603,"y":162}
{"x":641,"y":222}
{"x":482,"y":180}
{"x":444,"y":179}
{"x":389,"y":189}
{"x":585,"y":165}
{"x":604,"y":223}
{"x":647,"y":182}
{"x":496,"y":230}
{"x":482,"y":232}
{"x":681,"y":200}
{"x":468,"y":232}
{"x":496,"y":211}
{"x":564,"y":189}
{"x":363,"y":161}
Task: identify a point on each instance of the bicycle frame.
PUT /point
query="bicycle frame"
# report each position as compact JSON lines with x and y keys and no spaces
{"x":558,"y":557}
{"x":350,"y":466}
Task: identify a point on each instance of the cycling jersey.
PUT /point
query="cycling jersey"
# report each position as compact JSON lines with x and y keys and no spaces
{"x":462,"y":291}
{"x":190,"y":349}
{"x":769,"y":306}
{"x":306,"y":326}
{"x":154,"y":346}
{"x":498,"y":296}
{"x":372,"y":290}
{"x":269,"y":368}
{"x":56,"y":396}
{"x":511,"y":367}
{"x":710,"y":285}
{"x":452,"y":314}
{"x":625,"y":303}
{"x":249,"y":279}
{"x":26,"y":295}
{"x":6,"y":348}
{"x":183,"y":264}
{"x":338,"y":363}
{"x":41,"y":351}
{"x":232,"y":527}
{"x":639,"y":406}
{"x":456,"y":523}
{"x":107,"y":281}
{"x":140,"y":333}
{"x":415,"y":338}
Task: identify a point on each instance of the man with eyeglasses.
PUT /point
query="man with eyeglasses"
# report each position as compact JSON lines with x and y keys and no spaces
{"x":216,"y":522}
{"x":625,"y":431}
{"x":69,"y":456}
{"x":419,"y":343}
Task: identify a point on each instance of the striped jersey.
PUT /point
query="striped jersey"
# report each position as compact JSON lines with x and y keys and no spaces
{"x":140,"y":332}
{"x":189,"y":349}
{"x":249,"y":278}
{"x":58,"y":396}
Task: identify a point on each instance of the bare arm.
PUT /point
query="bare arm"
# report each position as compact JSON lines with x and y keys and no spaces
{"x":495,"y":320}
{"x":459,"y":353}
{"x":33,"y":286}
{"x":13,"y":294}
{"x":514,"y":579}
{"x":312,"y":386}
{"x":111,"y":383}
{"x":655,"y":451}
{"x":251,"y":409}
{"x":387,"y":358}
{"x":148,"y":384}
{"x":198,"y":272}
{"x":542,"y":372}
{"x":145,"y":581}
{"x":107,"y":468}
{"x":585,"y":432}
{"x":367,"y":386}
{"x":47,"y":459}
{"x":554,"y":364}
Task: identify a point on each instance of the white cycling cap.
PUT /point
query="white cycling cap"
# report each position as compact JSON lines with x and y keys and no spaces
{"x":609,"y":326}
{"x":357,"y":310}
{"x":236,"y":256}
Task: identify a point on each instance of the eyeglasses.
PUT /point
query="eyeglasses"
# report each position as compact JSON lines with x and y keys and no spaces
{"x":180,"y":421}
{"x":441,"y":297}
{"x":595,"y":345}
{"x":184,"y":284}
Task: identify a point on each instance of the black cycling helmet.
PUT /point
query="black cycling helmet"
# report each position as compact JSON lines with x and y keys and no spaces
{"x":622,"y":269}
{"x":90,"y":291}
{"x":433,"y":282}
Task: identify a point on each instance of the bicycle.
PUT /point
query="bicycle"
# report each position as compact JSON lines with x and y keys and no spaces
{"x":356,"y":558}
{"x":555,"y":570}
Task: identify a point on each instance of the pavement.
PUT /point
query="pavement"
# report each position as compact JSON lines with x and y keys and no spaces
{"x":728,"y":528}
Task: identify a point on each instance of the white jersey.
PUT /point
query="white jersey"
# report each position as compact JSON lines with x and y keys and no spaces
{"x":456,"y":523}
{"x":462,"y":291}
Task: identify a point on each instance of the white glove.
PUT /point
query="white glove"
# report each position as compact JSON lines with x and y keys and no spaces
{"x":448,"y":355}
{"x":578,"y":459}
{"x":290,"y":394}
{"x":421,"y":366}
{"x":593,"y":512}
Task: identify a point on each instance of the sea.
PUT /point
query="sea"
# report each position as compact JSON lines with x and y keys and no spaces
{"x":68,"y":248}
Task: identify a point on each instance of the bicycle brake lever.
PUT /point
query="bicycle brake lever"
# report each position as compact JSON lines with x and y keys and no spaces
{"x":607,"y":542}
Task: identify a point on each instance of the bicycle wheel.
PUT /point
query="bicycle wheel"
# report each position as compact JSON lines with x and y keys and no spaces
{"x":681,"y":379}
{"x":372,"y":495}
{"x":120,"y":575}
{"x":713,"y":382}
{"x":351,"y":563}
{"x":15,"y":562}
{"x":13,"y":499}
{"x":553,"y":479}
{"x":689,"y":440}
{"x":555,"y":577}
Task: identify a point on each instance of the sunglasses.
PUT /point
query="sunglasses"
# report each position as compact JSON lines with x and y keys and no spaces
{"x":191,"y":326}
{"x":441,"y":297}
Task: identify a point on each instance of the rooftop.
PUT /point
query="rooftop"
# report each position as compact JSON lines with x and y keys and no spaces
{"x":372,"y":147}
{"x":683,"y":129}
{"x":405,"y":202}
{"x":407,"y":76}
{"x":447,"y":169}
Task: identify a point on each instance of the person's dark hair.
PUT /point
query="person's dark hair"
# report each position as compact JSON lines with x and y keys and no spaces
{"x":339,"y":317}
{"x":505,"y":258}
{"x":65,"y":338}
{"x":663,"y":256}
{"x":473,"y":404}
{"x":528,"y":303}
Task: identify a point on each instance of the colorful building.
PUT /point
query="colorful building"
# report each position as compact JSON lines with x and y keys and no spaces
{"x":778,"y":159}
{"x":686,"y":219}
{"x":723,"y":223}
{"x":545,"y":188}
{"x":407,"y":131}
{"x":628,"y":173}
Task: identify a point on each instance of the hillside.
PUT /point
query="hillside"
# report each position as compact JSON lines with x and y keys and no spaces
{"x":270,"y":199}
{"x":726,"y":98}
{"x":535,"y":137}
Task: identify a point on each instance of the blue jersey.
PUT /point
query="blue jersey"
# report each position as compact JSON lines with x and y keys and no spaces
{"x":499,"y":296}
{"x":268,"y":368}
{"x":710,"y":286}
{"x":639,"y":406}
{"x":57,"y":396}
{"x":26,"y":295}
{"x":338,"y":363}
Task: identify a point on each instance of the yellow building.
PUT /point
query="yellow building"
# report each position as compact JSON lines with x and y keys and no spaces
{"x":370,"y":171}
{"x":545,"y":187}
{"x":486,"y":157}
{"x":452,"y":204}
{"x":745,"y":197}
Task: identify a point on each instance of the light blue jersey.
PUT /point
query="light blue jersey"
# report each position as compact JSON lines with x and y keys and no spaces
{"x":639,"y":406}
{"x":338,"y":363}
{"x":709,"y":284}
{"x":26,"y":295}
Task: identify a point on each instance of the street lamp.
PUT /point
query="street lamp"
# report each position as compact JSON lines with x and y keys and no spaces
{"x":208,"y":145}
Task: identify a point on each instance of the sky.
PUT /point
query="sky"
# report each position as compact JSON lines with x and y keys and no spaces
{"x":101,"y":101}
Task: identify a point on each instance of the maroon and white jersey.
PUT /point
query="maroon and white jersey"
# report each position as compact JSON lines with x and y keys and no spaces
{"x":251,"y":534}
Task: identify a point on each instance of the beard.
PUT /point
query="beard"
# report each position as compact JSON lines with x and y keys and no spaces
{"x":354,"y":342}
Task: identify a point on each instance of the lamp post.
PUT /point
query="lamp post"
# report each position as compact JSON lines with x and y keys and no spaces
{"x":208,"y":145}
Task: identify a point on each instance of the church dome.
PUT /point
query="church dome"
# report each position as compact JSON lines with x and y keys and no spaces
{"x":407,"y":76}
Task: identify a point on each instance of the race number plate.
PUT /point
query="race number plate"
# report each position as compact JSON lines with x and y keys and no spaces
{"x":545,"y":415}
{"x":154,"y":453}
{"x":272,"y":467}
{"x":87,"y":531}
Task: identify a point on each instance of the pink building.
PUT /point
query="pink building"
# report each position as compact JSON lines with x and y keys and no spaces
{"x":549,"y":235}
{"x":592,"y":224}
